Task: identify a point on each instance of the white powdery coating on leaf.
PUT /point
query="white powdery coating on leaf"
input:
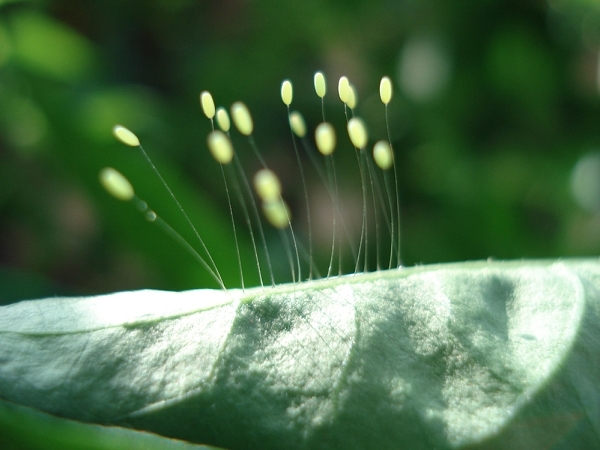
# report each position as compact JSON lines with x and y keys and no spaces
{"x":455,"y":351}
{"x":80,"y":314}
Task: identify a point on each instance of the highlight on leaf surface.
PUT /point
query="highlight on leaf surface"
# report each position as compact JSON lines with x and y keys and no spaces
{"x":267,"y":185}
{"x":277,"y":213}
{"x":220,"y":147}
{"x":297,"y":123}
{"x":242,"y":118}
{"x":344,"y":89}
{"x":383,"y":155}
{"x":223,"y":119}
{"x":287,"y":92}
{"x":320,"y":85}
{"x":115,"y":183}
{"x":325,"y":138}
{"x":208,"y":104}
{"x":357,"y":132}
{"x":126,"y":136}
{"x":385,"y":90}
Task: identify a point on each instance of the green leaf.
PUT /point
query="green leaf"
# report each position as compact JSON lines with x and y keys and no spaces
{"x":27,"y":428}
{"x":472,"y":355}
{"x":50,"y":48}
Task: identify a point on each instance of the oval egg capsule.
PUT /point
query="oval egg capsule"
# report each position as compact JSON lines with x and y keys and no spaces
{"x":242,"y":118}
{"x":357,"y":132}
{"x":267,"y":185}
{"x":220,"y":147}
{"x":277,"y":213}
{"x":126,"y":136}
{"x":287,"y":92}
{"x":208,"y":104}
{"x":320,"y":85}
{"x":385,"y":90}
{"x":352,"y":98}
{"x":115,"y":183}
{"x":223,"y":119}
{"x":325,"y":138}
{"x":383,"y":155}
{"x":343,"y":89}
{"x":297,"y":123}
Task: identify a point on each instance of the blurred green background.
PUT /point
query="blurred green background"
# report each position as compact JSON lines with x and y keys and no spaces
{"x":495,"y":121}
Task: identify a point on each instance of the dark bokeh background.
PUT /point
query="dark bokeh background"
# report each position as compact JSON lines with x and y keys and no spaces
{"x":495,"y":121}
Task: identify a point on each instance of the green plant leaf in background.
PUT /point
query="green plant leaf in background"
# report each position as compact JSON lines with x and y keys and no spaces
{"x":472,"y":355}
{"x":51,"y":49}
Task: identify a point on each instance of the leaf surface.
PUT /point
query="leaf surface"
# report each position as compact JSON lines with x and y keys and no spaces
{"x":470,"y":355}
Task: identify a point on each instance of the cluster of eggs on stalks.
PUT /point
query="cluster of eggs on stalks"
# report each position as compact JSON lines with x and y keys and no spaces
{"x":266,"y":184}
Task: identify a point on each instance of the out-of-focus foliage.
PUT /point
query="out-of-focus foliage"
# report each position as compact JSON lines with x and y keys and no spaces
{"x":495,"y":120}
